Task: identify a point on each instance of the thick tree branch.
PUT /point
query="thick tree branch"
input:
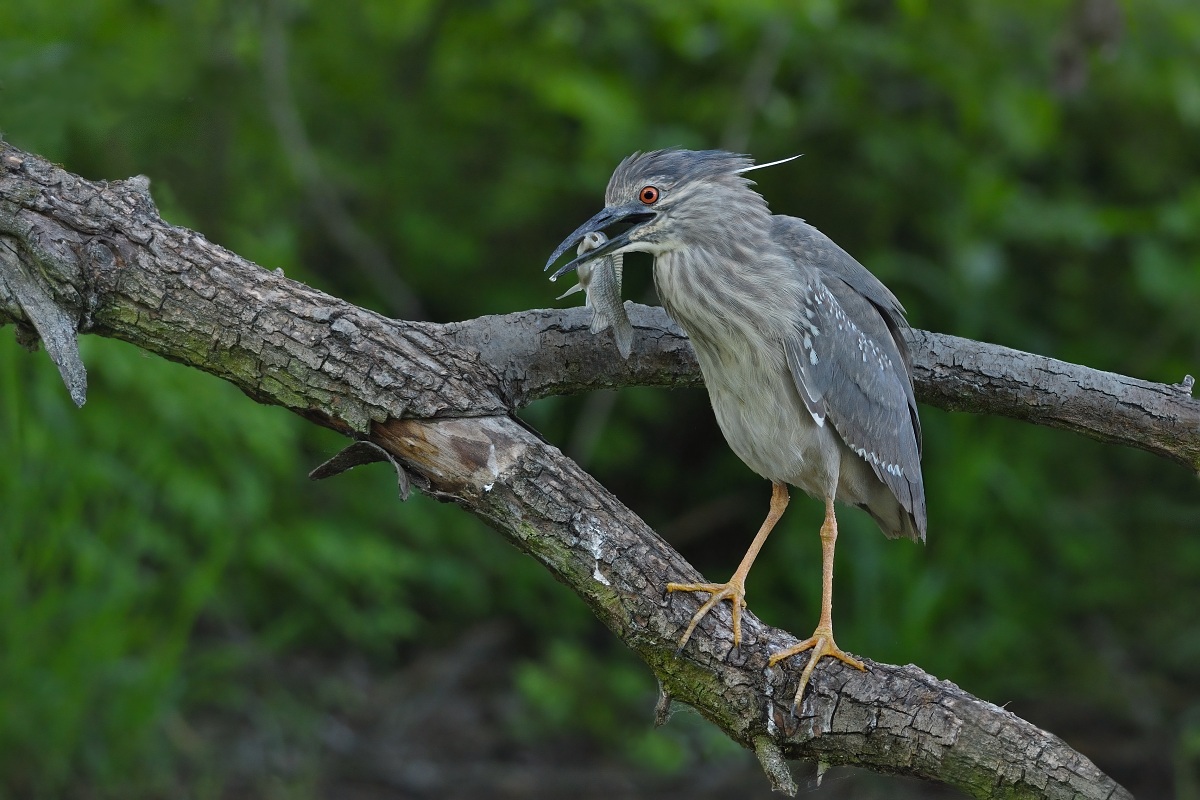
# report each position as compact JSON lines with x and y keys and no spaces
{"x":439,"y":397}
{"x":540,"y":353}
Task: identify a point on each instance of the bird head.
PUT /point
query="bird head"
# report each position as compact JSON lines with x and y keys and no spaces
{"x":673,"y":199}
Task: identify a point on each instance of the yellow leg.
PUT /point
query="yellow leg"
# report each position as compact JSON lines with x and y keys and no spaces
{"x":735,"y":590}
{"x":821,"y":642}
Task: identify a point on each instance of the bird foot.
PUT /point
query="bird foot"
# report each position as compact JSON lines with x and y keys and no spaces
{"x":734,"y":592}
{"x":822,"y":644}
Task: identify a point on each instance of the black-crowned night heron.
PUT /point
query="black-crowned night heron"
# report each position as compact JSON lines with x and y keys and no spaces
{"x":801,"y":348}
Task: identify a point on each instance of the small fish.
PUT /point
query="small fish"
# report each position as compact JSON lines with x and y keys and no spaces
{"x":601,"y":280}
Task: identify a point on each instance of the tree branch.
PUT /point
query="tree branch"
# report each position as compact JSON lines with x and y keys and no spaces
{"x":440,"y":397}
{"x":541,"y":353}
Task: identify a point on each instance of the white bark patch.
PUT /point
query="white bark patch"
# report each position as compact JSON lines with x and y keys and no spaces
{"x":591,"y":536}
{"x":769,"y":691}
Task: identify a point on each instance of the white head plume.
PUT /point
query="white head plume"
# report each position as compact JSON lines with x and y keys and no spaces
{"x":771,"y":164}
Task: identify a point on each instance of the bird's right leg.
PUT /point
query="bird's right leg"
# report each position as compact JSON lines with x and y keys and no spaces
{"x":735,"y":590}
{"x":821,"y":643}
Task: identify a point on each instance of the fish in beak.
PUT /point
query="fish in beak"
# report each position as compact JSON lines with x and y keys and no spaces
{"x":635,"y":213}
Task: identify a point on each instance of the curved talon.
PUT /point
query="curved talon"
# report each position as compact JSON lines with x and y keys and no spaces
{"x":822,"y":644}
{"x":734,"y":592}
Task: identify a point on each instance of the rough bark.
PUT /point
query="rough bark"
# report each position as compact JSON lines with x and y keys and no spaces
{"x":439,"y":398}
{"x":539,"y":353}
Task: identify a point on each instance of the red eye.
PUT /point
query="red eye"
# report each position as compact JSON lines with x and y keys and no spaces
{"x":648,"y":195}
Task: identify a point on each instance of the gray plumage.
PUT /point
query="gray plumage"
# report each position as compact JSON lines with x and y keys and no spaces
{"x":766,"y":297}
{"x":802,"y":351}
{"x":601,"y":281}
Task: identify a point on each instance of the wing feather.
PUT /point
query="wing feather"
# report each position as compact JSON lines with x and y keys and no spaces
{"x":850,"y":366}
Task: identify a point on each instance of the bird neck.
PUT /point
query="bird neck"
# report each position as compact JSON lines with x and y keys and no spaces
{"x":714,"y":292}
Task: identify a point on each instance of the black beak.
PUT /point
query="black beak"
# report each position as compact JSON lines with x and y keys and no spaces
{"x":637,"y":214}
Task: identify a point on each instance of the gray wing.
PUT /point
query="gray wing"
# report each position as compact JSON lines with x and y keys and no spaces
{"x":814,"y":247}
{"x":849,"y":363}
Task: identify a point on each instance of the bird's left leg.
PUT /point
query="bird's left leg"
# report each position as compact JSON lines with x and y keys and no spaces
{"x":735,"y":590}
{"x":821,"y":642}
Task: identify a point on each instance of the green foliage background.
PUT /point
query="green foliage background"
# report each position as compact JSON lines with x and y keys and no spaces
{"x":1027,"y":174}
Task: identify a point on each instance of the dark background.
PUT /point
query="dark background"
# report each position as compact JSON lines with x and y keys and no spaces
{"x":183,"y":614}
